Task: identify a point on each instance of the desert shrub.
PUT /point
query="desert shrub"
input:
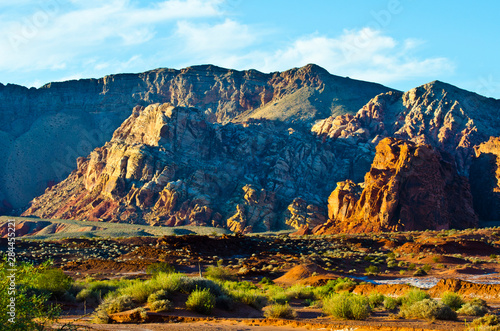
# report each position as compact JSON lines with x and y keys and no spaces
{"x":412,"y":266}
{"x":160,"y":305}
{"x":414,"y":295}
{"x":280,"y":311}
{"x":452,"y":300}
{"x":344,"y":284}
{"x":266,"y":281}
{"x":428,"y":309}
{"x":201,"y":301}
{"x":372,"y":270}
{"x":156,"y":268}
{"x":190,"y":284}
{"x":95,"y":291}
{"x":219,"y":273}
{"x":391,"y":303}
{"x":470,"y":309}
{"x":419,"y":272}
{"x":375,"y":299}
{"x":487,"y":322}
{"x":277,"y":294}
{"x":478,"y":302}
{"x":299,"y":292}
{"x":391,"y":264}
{"x":391,"y":256}
{"x":112,"y":305}
{"x":141,"y":290}
{"x":347,"y":306}
{"x":53,"y":281}
{"x":158,"y":295}
{"x":32,"y":308}
{"x":334,"y":285}
{"x":245,"y":292}
{"x":427,"y":267}
{"x":138,"y":290}
{"x":169,"y":282}
{"x":118,"y":304}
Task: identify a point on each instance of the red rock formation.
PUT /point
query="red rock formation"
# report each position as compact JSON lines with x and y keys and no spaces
{"x":409,"y":187}
{"x":170,"y":166}
{"x":485,"y":180}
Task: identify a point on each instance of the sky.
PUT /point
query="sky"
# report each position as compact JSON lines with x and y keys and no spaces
{"x":399,"y":43}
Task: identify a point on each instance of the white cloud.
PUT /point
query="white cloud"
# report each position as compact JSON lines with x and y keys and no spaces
{"x":365,"y":54}
{"x":222,"y":37}
{"x":55,"y":34}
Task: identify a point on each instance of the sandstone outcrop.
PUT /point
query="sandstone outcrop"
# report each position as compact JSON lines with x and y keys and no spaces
{"x":171,"y":166}
{"x":409,"y":187}
{"x":485,"y":180}
{"x":45,"y":130}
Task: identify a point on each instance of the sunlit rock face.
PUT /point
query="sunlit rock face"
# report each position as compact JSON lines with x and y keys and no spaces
{"x":171,"y":166}
{"x":409,"y":187}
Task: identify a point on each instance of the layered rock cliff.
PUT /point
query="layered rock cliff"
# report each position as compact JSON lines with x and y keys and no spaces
{"x":45,"y":130}
{"x":485,"y":179}
{"x":172,"y":166}
{"x":409,"y":187}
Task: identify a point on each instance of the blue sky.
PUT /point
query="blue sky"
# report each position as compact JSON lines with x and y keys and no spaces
{"x":399,"y":43}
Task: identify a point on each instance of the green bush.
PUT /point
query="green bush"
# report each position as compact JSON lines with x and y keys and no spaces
{"x":372,"y":270}
{"x":428,"y":309}
{"x":471,"y":309}
{"x":118,"y":304}
{"x":414,"y":295}
{"x":347,"y":306}
{"x":112,"y":305}
{"x":53,"y":281}
{"x":156,"y":268}
{"x":219,"y":273}
{"x":391,"y":303}
{"x":139,"y":290}
{"x":334,"y":285}
{"x":201,"y":301}
{"x":277,"y":294}
{"x":375,"y":299}
{"x":245,"y":292}
{"x":452,"y":300}
{"x":280,"y":311}
{"x":160,"y":305}
{"x":299,"y":291}
{"x":266,"y":281}
{"x":487,"y":322}
{"x":95,"y":291}
{"x":32,"y":308}
{"x":419,"y":272}
{"x":190,"y":284}
{"x":158,"y":295}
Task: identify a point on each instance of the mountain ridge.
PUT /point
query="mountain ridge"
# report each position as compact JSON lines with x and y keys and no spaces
{"x":48,"y":128}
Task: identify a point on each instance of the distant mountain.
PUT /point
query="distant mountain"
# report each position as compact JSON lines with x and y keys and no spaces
{"x":44,"y":130}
